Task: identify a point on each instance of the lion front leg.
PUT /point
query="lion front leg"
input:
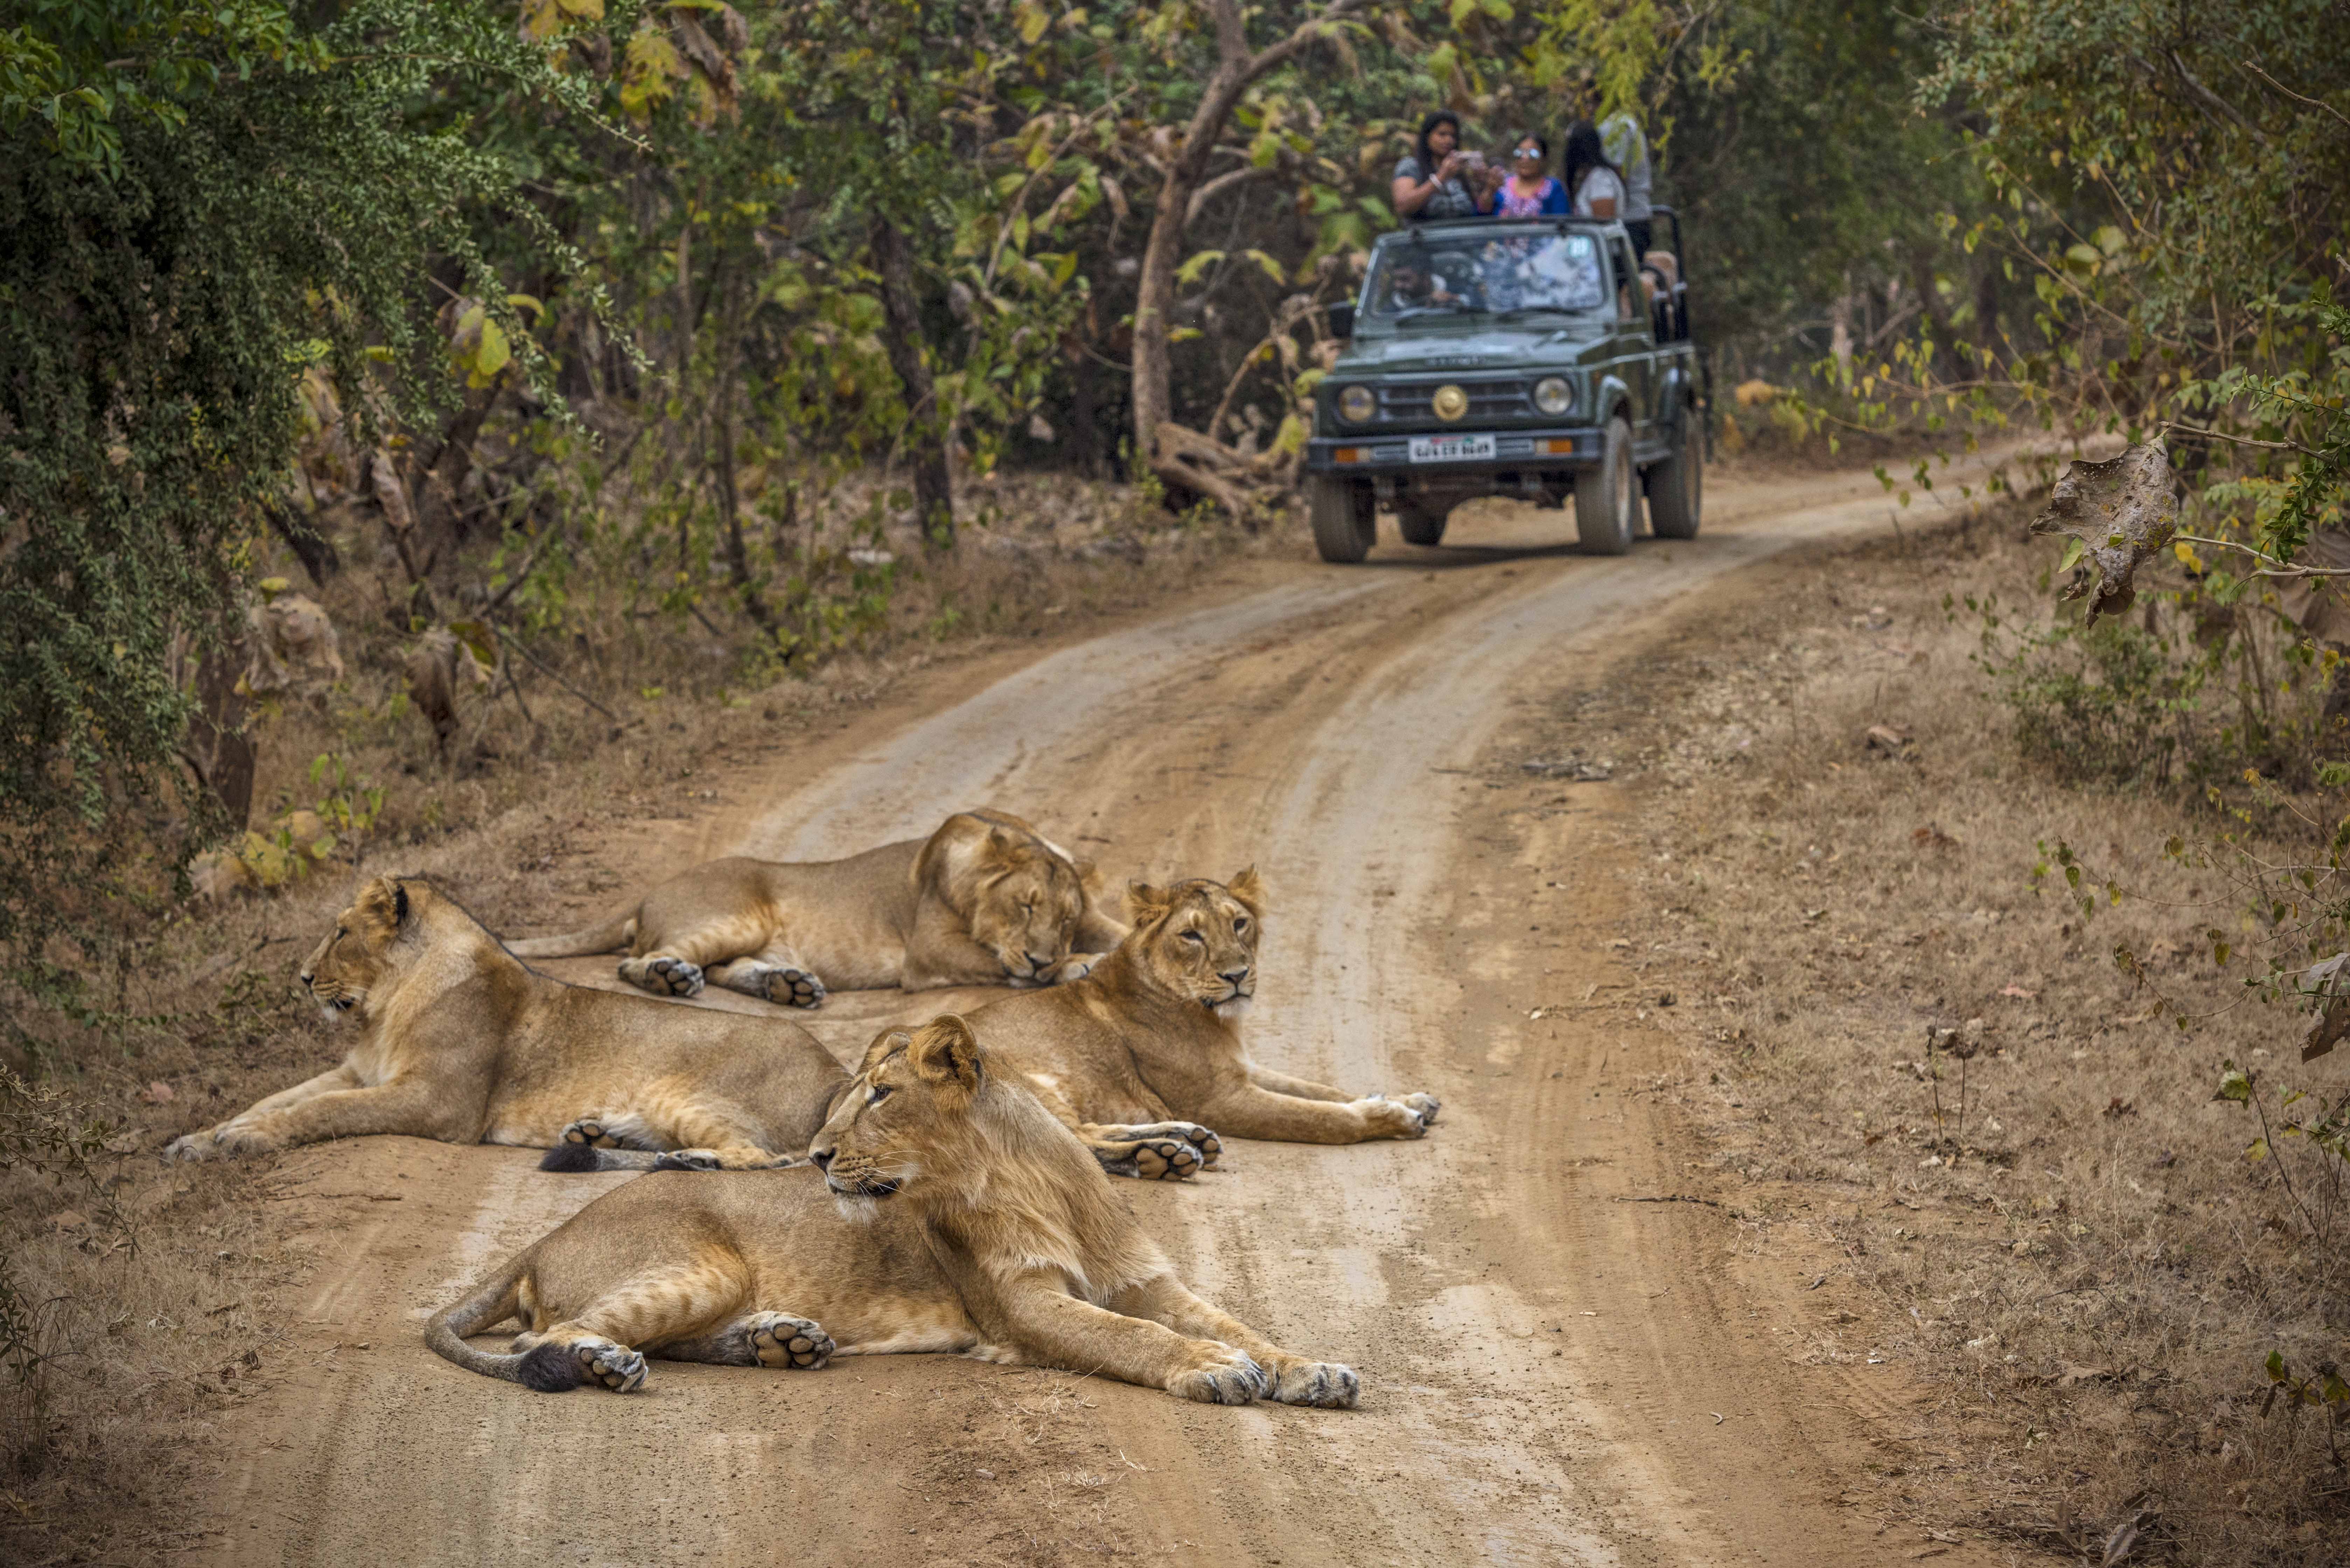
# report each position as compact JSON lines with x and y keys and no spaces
{"x":1300,"y":1088}
{"x":1295,"y":1379}
{"x":417,"y":1108}
{"x":206,"y":1143}
{"x":1053,"y":1328}
{"x":1253,"y":1112}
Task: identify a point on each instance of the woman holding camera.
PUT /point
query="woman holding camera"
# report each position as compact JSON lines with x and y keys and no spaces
{"x":1436,"y":180}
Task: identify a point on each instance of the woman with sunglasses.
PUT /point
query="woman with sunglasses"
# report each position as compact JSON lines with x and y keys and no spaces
{"x":1529,"y":192}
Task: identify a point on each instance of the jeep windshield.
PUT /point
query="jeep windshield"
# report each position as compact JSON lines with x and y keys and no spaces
{"x":1500,"y":271}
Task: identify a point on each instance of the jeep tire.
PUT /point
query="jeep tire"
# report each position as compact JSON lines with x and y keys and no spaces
{"x":1677,"y":485}
{"x":1422,"y":524}
{"x":1603,"y":518}
{"x":1345,"y":514}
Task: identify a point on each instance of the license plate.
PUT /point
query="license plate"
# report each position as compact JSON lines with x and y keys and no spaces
{"x":1451,"y":448}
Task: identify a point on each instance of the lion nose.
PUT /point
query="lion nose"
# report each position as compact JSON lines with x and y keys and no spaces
{"x":822,"y":1156}
{"x":1234,"y":976}
{"x":307,"y":977}
{"x":1038,"y":962}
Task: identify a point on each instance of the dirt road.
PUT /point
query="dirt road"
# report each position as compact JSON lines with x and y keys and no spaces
{"x":1552,"y":1375}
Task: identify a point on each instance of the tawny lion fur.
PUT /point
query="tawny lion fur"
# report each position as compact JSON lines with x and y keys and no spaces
{"x":985,"y":901}
{"x":1142,"y":1056}
{"x":952,"y":1213}
{"x":460,"y":1042}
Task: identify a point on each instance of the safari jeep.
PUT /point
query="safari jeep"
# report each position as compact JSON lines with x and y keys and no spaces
{"x":1532,"y":358}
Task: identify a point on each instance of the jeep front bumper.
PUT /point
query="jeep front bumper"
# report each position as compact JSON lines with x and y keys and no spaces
{"x":1384,"y":455}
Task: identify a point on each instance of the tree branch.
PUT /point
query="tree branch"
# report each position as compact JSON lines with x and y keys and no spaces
{"x":1218,"y":185}
{"x":2314,"y":103}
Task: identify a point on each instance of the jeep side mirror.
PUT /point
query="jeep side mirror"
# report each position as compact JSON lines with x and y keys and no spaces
{"x":1342,"y":320}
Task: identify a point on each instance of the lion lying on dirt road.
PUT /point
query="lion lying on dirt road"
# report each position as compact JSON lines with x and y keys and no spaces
{"x":1140,"y":1051}
{"x":985,"y":901}
{"x":954,"y":1214}
{"x":460,"y":1042}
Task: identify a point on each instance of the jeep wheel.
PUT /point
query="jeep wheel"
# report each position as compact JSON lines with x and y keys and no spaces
{"x":1346,"y":517}
{"x":1423,"y":524}
{"x":1677,"y":485}
{"x":1602,"y":495}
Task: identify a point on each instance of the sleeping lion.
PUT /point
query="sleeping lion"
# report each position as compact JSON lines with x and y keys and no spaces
{"x":458,"y":1041}
{"x":949,"y":1212}
{"x":985,"y":901}
{"x":1139,"y":1052}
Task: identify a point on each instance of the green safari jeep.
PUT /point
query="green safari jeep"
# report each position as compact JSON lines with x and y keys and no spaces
{"x":1531,"y":357}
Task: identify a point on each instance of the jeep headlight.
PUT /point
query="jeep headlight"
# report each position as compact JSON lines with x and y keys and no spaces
{"x":1356,"y":404}
{"x":1554,"y":394}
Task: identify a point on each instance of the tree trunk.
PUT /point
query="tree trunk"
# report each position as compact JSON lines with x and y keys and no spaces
{"x":926,"y":438}
{"x":729,"y":504}
{"x":302,"y":535}
{"x":217,"y":749}
{"x":1179,"y":456}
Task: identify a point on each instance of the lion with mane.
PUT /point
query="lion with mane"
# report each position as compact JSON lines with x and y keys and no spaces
{"x":460,"y":1041}
{"x":947,"y":1211}
{"x":985,"y":900}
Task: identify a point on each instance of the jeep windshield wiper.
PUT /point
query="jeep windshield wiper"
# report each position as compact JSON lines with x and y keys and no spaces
{"x":1418,"y":310}
{"x":1514,"y":311}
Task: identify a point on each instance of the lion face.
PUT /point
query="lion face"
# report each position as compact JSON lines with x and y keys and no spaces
{"x":905,"y":1112}
{"x":351,"y":957}
{"x":1198,"y":939}
{"x":1025,"y":907}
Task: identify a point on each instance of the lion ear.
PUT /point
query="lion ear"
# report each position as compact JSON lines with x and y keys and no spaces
{"x":1248,"y":888}
{"x":889,"y":1040}
{"x":999,"y":851}
{"x":945,"y":1052}
{"x":1145,"y":903}
{"x":383,"y":903}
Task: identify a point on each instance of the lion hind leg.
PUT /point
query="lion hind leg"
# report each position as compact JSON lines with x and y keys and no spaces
{"x":662,"y":973}
{"x":772,"y":1339}
{"x":666,"y":1304}
{"x":774,"y":973}
{"x":1146,"y":1158}
{"x":1204,"y":1140}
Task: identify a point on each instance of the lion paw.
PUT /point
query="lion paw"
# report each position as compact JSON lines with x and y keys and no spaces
{"x":1076,"y":966}
{"x":687,"y":1160}
{"x":1155,"y":1160}
{"x":1324,"y":1384}
{"x":221,"y":1142}
{"x":616,"y":1367}
{"x":593,"y":1134}
{"x":1231,"y":1378}
{"x":787,"y":1343}
{"x":791,"y":988}
{"x":1400,"y":1115}
{"x":1204,"y":1140}
{"x":664,"y":976}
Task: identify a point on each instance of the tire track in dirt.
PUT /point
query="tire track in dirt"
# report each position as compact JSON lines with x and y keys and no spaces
{"x":1332,"y":729}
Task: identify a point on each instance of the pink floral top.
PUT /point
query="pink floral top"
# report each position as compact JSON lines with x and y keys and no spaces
{"x":1550,"y":196}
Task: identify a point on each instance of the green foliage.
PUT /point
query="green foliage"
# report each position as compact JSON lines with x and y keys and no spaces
{"x":201,"y":201}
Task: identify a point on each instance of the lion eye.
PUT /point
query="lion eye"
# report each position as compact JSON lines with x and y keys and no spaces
{"x":1195,"y":937}
{"x":881,"y":1093}
{"x":1239,"y":926}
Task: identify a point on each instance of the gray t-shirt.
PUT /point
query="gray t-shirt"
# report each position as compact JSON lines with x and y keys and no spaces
{"x":1600,"y":184}
{"x":1450,"y":200}
{"x":1627,"y":149}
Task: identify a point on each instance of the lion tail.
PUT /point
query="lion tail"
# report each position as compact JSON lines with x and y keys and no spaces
{"x":618,"y":931}
{"x":494,"y":1301}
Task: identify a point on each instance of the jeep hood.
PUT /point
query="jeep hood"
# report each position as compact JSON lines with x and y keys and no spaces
{"x":1516,"y":347}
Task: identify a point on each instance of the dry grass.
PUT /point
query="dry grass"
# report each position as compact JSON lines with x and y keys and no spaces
{"x":2053,"y":1222}
{"x":148,"y":1330}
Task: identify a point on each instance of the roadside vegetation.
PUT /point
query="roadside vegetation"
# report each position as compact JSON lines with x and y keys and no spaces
{"x":2062,"y":1166}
